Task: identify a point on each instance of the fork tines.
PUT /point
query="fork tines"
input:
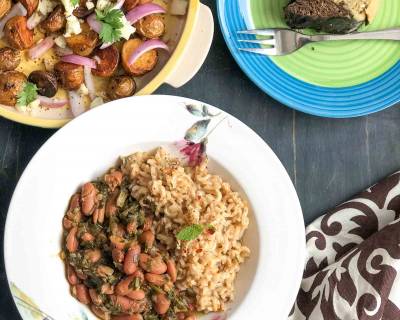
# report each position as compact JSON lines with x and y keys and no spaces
{"x":269,"y":41}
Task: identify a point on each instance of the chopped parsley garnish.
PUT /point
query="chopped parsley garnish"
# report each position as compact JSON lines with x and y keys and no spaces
{"x":27,"y":95}
{"x":111,"y":24}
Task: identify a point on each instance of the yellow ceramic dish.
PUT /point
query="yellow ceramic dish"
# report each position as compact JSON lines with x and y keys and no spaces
{"x":187,"y":58}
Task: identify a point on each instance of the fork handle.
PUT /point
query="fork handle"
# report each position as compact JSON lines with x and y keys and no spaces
{"x":388,"y":34}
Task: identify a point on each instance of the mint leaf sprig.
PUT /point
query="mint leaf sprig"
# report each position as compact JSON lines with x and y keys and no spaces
{"x":111,"y":24}
{"x":193,"y":231}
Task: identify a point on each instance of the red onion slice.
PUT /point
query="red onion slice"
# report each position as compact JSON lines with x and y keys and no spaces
{"x":52,"y":103}
{"x":145,"y":47}
{"x":94,"y":24}
{"x":89,"y":82}
{"x":17,"y":10}
{"x":76,"y":103}
{"x":119,"y":4}
{"x":105,"y":45}
{"x":82,"y":61}
{"x":142,"y":11}
{"x":34,"y":20}
{"x":41,"y":48}
{"x":62,"y":51}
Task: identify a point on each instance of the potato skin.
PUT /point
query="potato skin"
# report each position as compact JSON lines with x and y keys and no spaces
{"x":55,"y":21}
{"x":30,"y":5}
{"x":121,"y":87}
{"x":152,"y":26}
{"x":5,"y":6}
{"x":130,"y":4}
{"x":70,"y":76}
{"x":9,"y":59}
{"x":83,"y":44}
{"x":17,"y":34}
{"x":108,"y":61}
{"x":11,"y":84}
{"x":82,"y":11}
{"x":144,"y":64}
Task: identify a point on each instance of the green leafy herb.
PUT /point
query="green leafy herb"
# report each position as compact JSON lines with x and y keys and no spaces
{"x":27,"y":95}
{"x":193,"y":231}
{"x":74,"y":2}
{"x":111,"y":24}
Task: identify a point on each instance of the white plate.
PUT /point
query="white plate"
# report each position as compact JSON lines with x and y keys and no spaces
{"x":267,"y":283}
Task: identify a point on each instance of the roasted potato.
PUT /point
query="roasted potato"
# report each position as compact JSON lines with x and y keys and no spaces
{"x":84,"y":43}
{"x":82,"y":11}
{"x":69,"y":75}
{"x":11,"y":84}
{"x":17,"y":33}
{"x":144,"y":64}
{"x":107,"y":61}
{"x":9,"y":59}
{"x":46,"y":82}
{"x":30,"y":5}
{"x":152,"y":26}
{"x":5,"y":6}
{"x":121,"y":87}
{"x":55,"y":21}
{"x":130,"y":4}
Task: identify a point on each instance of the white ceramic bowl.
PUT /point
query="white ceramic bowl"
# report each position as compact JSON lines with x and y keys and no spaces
{"x":267,"y":283}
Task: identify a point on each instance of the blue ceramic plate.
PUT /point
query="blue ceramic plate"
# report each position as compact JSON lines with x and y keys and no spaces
{"x":363,"y":99}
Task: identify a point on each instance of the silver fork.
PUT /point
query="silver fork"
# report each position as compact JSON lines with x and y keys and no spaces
{"x":284,"y":41}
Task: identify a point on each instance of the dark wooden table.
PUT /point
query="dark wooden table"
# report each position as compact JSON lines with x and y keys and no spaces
{"x":328,"y":160}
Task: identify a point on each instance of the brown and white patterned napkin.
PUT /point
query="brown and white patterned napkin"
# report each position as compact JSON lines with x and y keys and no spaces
{"x":352,"y":269}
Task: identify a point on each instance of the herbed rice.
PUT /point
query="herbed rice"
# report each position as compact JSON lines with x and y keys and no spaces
{"x":182,"y":196}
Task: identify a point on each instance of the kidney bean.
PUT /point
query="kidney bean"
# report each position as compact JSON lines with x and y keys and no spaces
{"x":107,"y":288}
{"x":148,"y":222}
{"x":98,"y":215}
{"x":147,"y":237}
{"x":100,"y":313}
{"x":67,"y":224}
{"x":117,"y":255}
{"x":93,"y":255}
{"x":88,"y":198}
{"x":131,"y":227}
{"x":74,"y":215}
{"x":81,"y":292}
{"x":171,"y":269}
{"x":81,"y":275}
{"x":153,"y":265}
{"x":128,"y":317}
{"x":131,"y":259}
{"x":156,"y":279}
{"x":95,"y":297}
{"x":74,"y":202}
{"x":113,"y":179}
{"x":137,"y":294}
{"x":122,"y":288}
{"x":105,"y":271}
{"x":139,"y":274}
{"x":87,"y":237}
{"x":111,"y":204}
{"x":71,"y":240}
{"x":122,"y":302}
{"x":71,"y":275}
{"x":161,"y":303}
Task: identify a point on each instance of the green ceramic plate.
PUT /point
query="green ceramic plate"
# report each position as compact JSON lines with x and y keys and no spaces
{"x":335,"y":64}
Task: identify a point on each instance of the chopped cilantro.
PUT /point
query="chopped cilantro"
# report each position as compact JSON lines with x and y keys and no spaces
{"x":27,"y":95}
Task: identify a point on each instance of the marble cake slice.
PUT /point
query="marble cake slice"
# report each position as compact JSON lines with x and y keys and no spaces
{"x":332,"y":16}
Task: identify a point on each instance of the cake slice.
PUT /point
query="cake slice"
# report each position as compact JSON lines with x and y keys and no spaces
{"x":332,"y":16}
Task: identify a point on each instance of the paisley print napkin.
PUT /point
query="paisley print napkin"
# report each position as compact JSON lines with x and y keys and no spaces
{"x":352,"y":270}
